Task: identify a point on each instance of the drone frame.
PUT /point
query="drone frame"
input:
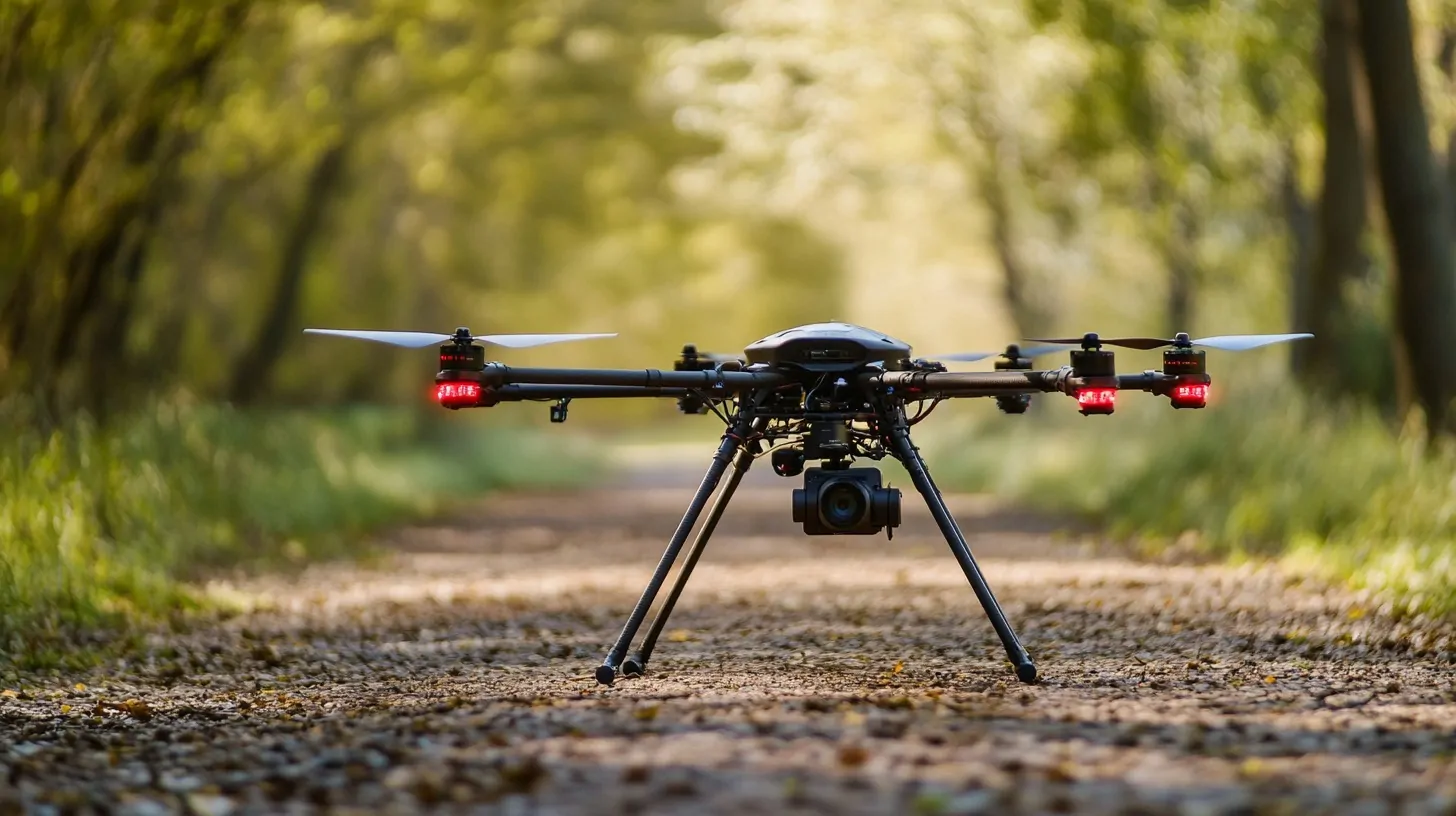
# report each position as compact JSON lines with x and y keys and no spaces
{"x":763,"y":403}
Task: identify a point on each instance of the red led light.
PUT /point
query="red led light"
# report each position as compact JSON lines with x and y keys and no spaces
{"x":1190,"y":395}
{"x":1096,"y":400}
{"x":1097,"y":397}
{"x":456,"y":394}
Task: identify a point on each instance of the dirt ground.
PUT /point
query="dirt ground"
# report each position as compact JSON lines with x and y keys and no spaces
{"x":800,"y":675}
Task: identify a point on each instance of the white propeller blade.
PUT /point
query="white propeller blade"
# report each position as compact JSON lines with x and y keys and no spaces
{"x":1025,"y":352}
{"x":530,"y":340}
{"x":393,"y":338}
{"x":964,"y":357}
{"x":422,"y":339}
{"x":1244,"y":342}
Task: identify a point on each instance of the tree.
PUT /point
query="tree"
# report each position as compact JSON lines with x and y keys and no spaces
{"x":186,"y":185}
{"x":1339,"y":255}
{"x":1416,"y":207}
{"x":324,"y":182}
{"x":100,"y":113}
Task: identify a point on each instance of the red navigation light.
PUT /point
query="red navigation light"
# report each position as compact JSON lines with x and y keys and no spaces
{"x":1096,"y":400}
{"x":457,"y":393}
{"x":1189,"y":395}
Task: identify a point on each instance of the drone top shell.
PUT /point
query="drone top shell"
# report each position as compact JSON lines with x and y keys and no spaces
{"x":829,"y":347}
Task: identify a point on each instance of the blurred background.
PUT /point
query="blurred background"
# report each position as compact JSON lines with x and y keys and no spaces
{"x":185,"y":186}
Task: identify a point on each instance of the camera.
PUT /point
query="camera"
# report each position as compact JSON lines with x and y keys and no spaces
{"x":845,"y":501}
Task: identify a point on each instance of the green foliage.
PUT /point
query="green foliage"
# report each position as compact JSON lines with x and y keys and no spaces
{"x":1262,"y":473}
{"x":187,"y":196}
{"x":100,"y":525}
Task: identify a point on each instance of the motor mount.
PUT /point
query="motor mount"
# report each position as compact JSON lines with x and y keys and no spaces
{"x":1013,"y":361}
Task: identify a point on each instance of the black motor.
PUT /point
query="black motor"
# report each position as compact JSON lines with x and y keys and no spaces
{"x":845,"y":501}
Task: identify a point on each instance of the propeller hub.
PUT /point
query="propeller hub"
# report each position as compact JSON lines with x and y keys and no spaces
{"x":1091,"y":342}
{"x":1182,"y":340}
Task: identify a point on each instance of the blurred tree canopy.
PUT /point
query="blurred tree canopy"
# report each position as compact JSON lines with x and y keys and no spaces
{"x":1158,"y":165}
{"x":184,"y":186}
{"x":182,"y":183}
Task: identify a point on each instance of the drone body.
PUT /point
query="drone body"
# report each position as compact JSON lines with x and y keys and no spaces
{"x":828,"y":347}
{"x":826,"y":393}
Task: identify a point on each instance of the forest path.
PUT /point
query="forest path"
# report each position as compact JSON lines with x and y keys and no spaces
{"x":829,"y":675}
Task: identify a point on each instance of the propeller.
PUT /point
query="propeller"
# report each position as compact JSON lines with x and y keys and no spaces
{"x":1012,"y":351}
{"x":461,"y":335}
{"x":1225,"y":342}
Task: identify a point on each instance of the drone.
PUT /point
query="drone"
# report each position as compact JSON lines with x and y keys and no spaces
{"x":827,"y":394}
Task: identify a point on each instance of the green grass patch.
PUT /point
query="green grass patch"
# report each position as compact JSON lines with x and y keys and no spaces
{"x":1334,"y":491}
{"x":101,"y":528}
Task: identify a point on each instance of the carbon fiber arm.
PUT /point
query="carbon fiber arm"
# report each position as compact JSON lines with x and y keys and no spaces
{"x":941,"y":385}
{"x":716,"y":382}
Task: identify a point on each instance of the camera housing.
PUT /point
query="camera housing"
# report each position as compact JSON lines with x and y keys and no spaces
{"x":845,"y":501}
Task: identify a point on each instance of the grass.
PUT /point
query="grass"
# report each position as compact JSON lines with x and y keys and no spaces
{"x":104,"y":528}
{"x":1262,"y":474}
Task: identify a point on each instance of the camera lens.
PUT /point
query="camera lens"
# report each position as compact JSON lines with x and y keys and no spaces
{"x":844,"y":505}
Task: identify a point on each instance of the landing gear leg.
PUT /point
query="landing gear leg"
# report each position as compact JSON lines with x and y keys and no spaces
{"x":909,"y":456}
{"x":637,"y":663}
{"x":733,"y":440}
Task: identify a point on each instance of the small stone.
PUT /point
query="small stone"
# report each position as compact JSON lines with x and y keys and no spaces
{"x":179,"y":783}
{"x":145,"y":807}
{"x":1353,"y":699}
{"x":204,"y":804}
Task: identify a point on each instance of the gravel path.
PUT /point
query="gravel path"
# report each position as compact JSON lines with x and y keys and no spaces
{"x":843,"y":675}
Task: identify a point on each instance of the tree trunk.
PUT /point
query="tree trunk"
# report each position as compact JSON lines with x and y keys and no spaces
{"x":997,"y":178}
{"x":1180,"y":253}
{"x":1446,"y":58}
{"x":1344,"y":203}
{"x":1416,"y":208}
{"x":1451,"y":175}
{"x":15,"y":318}
{"x":89,"y":267}
{"x":164,"y":353}
{"x":107,"y":371}
{"x":69,"y":283}
{"x":1300,"y":220}
{"x":255,"y":368}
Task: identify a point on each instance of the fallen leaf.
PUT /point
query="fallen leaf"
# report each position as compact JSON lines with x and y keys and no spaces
{"x":79,"y":687}
{"x":1062,"y":772}
{"x":646,"y":712}
{"x":636,"y":774}
{"x":899,"y":667}
{"x":1270,"y":679}
{"x":853,"y":756}
{"x":65,"y":709}
{"x":11,"y":693}
{"x":678,"y":636}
